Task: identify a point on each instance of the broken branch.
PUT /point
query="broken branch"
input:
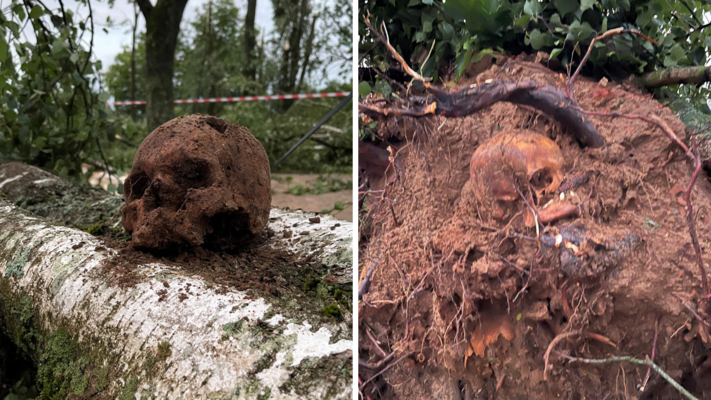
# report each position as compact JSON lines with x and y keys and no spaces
{"x":467,"y":101}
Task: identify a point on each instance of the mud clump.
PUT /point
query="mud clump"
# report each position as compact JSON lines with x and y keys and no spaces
{"x":197,"y":180}
{"x":467,"y":294}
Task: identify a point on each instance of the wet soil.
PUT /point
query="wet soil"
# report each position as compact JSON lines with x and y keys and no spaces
{"x":467,"y":298}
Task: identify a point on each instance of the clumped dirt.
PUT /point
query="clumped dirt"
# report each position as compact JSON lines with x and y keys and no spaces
{"x":465,"y":300}
{"x":197,"y":179}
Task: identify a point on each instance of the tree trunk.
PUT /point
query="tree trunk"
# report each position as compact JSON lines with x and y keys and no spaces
{"x":162,"y":29}
{"x":250,"y":41}
{"x":307,"y":52}
{"x":171,"y":333}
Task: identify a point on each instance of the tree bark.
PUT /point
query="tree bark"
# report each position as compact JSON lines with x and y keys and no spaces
{"x":675,"y":76}
{"x":162,"y":29}
{"x":307,"y":52}
{"x":132,"y":341}
{"x":250,"y":41}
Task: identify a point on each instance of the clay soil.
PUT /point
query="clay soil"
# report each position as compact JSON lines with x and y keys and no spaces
{"x":464,"y":305}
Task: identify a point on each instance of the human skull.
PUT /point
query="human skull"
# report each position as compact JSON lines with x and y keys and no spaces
{"x":512,"y":160}
{"x":197,"y":180}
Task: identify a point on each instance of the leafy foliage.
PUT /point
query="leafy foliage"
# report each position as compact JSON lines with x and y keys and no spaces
{"x":50,"y":93}
{"x":458,"y":31}
{"x":210,"y":63}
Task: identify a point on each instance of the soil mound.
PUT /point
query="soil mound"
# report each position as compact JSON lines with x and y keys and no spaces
{"x":467,"y":293}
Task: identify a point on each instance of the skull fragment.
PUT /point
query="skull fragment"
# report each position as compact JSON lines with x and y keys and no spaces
{"x":512,"y":164}
{"x":197,"y":180}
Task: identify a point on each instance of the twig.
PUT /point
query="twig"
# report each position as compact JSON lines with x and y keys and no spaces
{"x":609,"y":33}
{"x":385,"y":369}
{"x":633,"y":360}
{"x":654,"y":348}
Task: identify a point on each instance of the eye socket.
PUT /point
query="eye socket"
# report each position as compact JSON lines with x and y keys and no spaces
{"x":192,"y":174}
{"x":136,"y":185}
{"x":541,"y":179}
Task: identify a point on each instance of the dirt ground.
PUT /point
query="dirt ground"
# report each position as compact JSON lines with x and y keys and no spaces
{"x":311,"y":202}
{"x":280,"y":196}
{"x":467,"y":295}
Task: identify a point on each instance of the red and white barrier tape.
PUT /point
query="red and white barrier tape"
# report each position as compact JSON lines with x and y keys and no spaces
{"x":244,"y":98}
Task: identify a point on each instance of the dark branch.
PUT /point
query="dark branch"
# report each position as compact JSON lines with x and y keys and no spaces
{"x":145,"y":6}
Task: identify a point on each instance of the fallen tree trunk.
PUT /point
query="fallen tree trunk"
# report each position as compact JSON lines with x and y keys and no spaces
{"x":675,"y":76}
{"x":171,"y":333}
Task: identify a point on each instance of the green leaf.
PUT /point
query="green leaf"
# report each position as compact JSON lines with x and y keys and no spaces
{"x":481,"y":55}
{"x":587,"y":4}
{"x":364,"y":88}
{"x":566,"y":6}
{"x":579,"y":32}
{"x":119,"y":190}
{"x":19,"y":10}
{"x":59,"y":46}
{"x":532,"y":7}
{"x":462,"y":61}
{"x":523,"y":21}
{"x":669,"y":62}
{"x":427,"y":22}
{"x":413,"y":3}
{"x":3,"y":49}
{"x":555,"y":52}
{"x":538,"y":39}
{"x":104,"y":96}
{"x":478,"y":14}
{"x":36,"y":12}
{"x":339,"y":206}
{"x":677,"y":53}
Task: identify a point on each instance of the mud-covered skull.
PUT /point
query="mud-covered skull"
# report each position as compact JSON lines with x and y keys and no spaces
{"x":512,"y":162}
{"x":197,"y":180}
